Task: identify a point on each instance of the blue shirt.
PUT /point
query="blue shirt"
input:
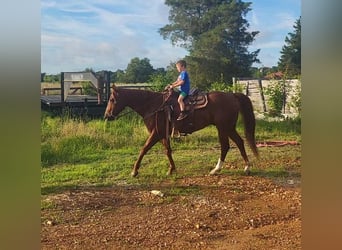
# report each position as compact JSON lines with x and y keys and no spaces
{"x":185,"y":87}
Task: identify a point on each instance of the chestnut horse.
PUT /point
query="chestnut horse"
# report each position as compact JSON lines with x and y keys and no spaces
{"x":154,"y":107}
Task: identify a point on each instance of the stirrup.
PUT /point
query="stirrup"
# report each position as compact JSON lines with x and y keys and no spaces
{"x":182,"y":116}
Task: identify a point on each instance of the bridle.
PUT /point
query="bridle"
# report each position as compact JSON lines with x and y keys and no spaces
{"x":110,"y":115}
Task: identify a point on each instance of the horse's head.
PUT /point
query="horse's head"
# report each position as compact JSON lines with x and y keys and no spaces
{"x":114,"y":106}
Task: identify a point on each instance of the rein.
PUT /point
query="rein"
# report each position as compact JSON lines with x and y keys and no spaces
{"x":167,"y":113}
{"x":160,"y":108}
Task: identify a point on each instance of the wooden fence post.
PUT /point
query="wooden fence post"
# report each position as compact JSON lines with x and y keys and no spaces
{"x":62,"y":87}
{"x":234,"y":84}
{"x":262,"y":95}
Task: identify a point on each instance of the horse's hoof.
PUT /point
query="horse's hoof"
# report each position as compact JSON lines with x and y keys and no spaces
{"x":170,"y":172}
{"x":247,"y":172}
{"x":212,"y":172}
{"x":134,"y":173}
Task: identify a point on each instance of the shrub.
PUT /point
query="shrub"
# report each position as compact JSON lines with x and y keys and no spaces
{"x":296,"y":99}
{"x":276,"y":92}
{"x":88,"y":88}
{"x":160,"y":81}
{"x":225,"y":87}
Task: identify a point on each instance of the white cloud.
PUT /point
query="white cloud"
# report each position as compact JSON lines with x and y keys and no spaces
{"x":82,"y":34}
{"x":107,"y":34}
{"x":47,"y":4}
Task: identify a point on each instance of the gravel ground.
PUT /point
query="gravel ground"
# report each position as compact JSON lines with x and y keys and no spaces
{"x":205,"y":212}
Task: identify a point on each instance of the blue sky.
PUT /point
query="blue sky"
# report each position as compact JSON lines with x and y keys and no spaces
{"x":107,"y":34}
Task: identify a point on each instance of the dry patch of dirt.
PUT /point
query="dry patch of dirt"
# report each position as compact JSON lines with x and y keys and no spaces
{"x":207,"y":212}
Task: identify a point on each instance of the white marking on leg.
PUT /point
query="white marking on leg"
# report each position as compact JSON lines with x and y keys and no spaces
{"x":217,"y":168}
{"x":247,"y":171}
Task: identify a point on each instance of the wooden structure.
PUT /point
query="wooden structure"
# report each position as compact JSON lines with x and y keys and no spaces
{"x":78,"y":104}
{"x":254,"y":88}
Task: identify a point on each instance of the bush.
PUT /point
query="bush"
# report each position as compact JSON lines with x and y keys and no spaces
{"x":296,"y":99}
{"x":160,"y":81}
{"x":225,"y":87}
{"x":88,"y":88}
{"x":276,"y":95}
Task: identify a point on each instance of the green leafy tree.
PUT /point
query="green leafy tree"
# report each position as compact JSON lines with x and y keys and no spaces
{"x":52,"y":78}
{"x":119,"y":76}
{"x":159,"y":81}
{"x":290,"y":59}
{"x":42,"y":75}
{"x":138,"y":70}
{"x":89,"y":70}
{"x":162,"y":77}
{"x":215,"y":33}
{"x":221,"y":86}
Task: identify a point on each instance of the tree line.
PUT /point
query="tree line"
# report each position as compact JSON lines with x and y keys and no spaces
{"x":215,"y":34}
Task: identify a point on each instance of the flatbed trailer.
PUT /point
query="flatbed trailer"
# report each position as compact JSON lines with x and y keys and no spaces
{"x":78,"y":105}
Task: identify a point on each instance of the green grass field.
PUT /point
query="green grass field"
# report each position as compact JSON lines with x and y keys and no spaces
{"x":75,"y":153}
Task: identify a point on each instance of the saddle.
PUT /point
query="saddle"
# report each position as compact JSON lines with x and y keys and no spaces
{"x":195,"y":100}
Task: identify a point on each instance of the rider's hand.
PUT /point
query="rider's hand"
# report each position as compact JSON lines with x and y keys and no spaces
{"x":168,"y":87}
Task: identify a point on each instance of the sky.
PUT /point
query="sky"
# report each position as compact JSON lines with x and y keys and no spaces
{"x":107,"y":34}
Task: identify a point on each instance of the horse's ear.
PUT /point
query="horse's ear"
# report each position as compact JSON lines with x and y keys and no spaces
{"x":113,"y":88}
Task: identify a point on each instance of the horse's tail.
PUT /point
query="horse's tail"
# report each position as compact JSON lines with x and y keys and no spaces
{"x":249,"y":121}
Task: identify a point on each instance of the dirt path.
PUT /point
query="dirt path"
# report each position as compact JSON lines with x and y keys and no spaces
{"x":207,"y":212}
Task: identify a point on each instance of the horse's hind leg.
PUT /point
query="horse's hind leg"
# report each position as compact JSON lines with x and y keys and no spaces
{"x":168,"y":151}
{"x":224,"y":141}
{"x":239,"y":143}
{"x":153,"y":139}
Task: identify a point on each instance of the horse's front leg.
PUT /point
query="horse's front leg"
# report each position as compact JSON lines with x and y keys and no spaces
{"x":168,"y":151}
{"x":152,"y":139}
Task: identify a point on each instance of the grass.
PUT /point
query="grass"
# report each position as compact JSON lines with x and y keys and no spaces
{"x":289,"y":129}
{"x":75,"y":153}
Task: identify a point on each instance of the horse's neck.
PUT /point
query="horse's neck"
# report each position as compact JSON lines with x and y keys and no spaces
{"x":143,"y":102}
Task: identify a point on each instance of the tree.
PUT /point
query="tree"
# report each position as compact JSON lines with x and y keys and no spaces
{"x":290,"y":59}
{"x":161,"y":77}
{"x":42,"y":75}
{"x":119,"y":76}
{"x":138,"y":70}
{"x":52,"y":78}
{"x":215,"y":33}
{"x":89,"y":70}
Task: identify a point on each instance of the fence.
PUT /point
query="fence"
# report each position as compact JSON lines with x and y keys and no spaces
{"x":255,"y":89}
